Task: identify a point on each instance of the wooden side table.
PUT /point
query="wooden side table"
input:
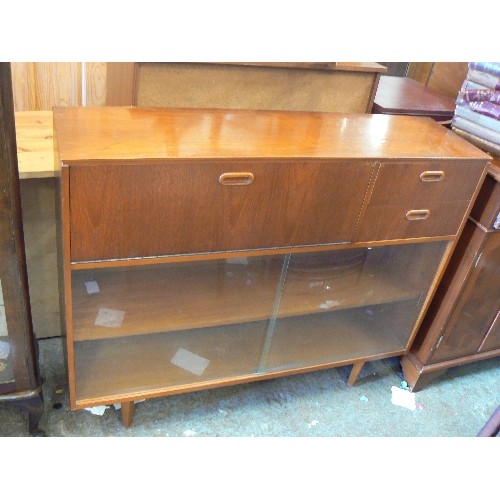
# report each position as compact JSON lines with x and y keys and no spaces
{"x":404,"y":96}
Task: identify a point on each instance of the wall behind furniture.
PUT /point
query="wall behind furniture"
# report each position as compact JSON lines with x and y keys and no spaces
{"x":443,"y":77}
{"x":38,"y":86}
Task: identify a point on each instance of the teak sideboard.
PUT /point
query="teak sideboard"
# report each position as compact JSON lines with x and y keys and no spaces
{"x":202,"y":248}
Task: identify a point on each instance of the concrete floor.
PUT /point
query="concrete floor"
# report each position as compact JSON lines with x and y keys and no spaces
{"x":318,"y":404}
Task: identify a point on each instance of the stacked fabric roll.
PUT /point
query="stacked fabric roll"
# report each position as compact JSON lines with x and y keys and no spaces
{"x":477,"y":110}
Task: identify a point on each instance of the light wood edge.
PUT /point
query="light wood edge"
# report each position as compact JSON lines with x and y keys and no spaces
{"x":65,"y":280}
{"x":213,"y":384}
{"x":420,"y":71}
{"x":373,"y":93}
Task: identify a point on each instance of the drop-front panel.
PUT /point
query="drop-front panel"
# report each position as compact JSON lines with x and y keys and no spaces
{"x":202,"y":248}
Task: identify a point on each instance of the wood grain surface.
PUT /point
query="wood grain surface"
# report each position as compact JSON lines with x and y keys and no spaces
{"x":124,"y":133}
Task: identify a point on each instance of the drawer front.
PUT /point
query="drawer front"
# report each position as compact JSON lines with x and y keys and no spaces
{"x":123,"y":211}
{"x":414,"y":200}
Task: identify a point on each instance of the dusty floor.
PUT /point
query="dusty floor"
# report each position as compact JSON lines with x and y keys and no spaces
{"x":318,"y":404}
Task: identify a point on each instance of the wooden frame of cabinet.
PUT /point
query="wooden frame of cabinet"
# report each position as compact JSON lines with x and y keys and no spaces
{"x":203,"y":248}
{"x":20,"y":382}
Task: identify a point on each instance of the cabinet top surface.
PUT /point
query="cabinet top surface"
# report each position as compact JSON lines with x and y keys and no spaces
{"x":127,"y":133}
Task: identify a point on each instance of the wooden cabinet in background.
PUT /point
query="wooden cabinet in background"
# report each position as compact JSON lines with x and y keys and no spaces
{"x":20,"y":382}
{"x":463,"y":324}
{"x":202,"y":248}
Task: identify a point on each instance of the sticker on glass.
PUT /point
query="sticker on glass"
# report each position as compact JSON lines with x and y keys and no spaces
{"x":92,"y":287}
{"x":110,"y":318}
{"x":189,"y":361}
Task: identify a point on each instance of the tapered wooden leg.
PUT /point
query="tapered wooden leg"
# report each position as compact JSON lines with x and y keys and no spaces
{"x":127,"y":413}
{"x":356,"y":368}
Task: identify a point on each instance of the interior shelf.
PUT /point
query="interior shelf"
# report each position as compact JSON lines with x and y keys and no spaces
{"x":174,"y":297}
{"x":111,"y":368}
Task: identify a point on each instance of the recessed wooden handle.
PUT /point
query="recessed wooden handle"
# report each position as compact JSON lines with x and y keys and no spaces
{"x":236,"y":178}
{"x":417,"y":214}
{"x":432,"y":176}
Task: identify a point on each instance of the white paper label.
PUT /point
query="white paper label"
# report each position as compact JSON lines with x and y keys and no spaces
{"x":97,"y":410}
{"x":109,"y":318}
{"x":401,"y":397}
{"x":92,"y":287}
{"x":189,"y":361}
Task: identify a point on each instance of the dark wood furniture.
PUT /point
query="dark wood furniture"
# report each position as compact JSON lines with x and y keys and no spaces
{"x":19,"y":376}
{"x":492,"y":426}
{"x":202,"y":248}
{"x":398,"y":95}
{"x":462,"y":324}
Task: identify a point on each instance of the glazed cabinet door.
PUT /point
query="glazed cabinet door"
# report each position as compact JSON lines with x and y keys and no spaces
{"x":350,"y":304}
{"x":170,"y":327}
{"x":477,"y":306}
{"x":142,"y":210}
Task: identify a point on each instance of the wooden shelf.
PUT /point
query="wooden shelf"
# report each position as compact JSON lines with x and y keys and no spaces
{"x":140,"y":365}
{"x":153,"y":299}
{"x":114,"y":368}
{"x":340,"y":336}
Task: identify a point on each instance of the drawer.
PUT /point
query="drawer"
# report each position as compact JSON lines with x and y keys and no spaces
{"x":413,"y":200}
{"x":138,"y":210}
{"x":425,"y":181}
{"x":402,"y":221}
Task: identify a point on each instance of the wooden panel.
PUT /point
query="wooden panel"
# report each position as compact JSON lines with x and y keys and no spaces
{"x":124,"y":211}
{"x":399,"y":95}
{"x":254,"y":87}
{"x":390,"y":222}
{"x":443,"y":77}
{"x":492,"y":339}
{"x":118,"y":133}
{"x":96,"y":76}
{"x":486,"y":208}
{"x":426,"y":181}
{"x":402,"y":188}
{"x":478,"y":303}
{"x":121,"y":84}
{"x":13,"y":274}
{"x":420,"y":71}
{"x":38,"y":86}
{"x":39,"y":224}
{"x":180,"y":297}
{"x":35,"y":144}
{"x":447,"y":77}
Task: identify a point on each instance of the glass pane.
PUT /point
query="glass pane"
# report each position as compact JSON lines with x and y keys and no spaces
{"x":146,"y":327}
{"x":6,"y":372}
{"x":348,"y":304}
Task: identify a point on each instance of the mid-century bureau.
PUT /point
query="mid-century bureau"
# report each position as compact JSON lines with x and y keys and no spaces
{"x":202,"y":248}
